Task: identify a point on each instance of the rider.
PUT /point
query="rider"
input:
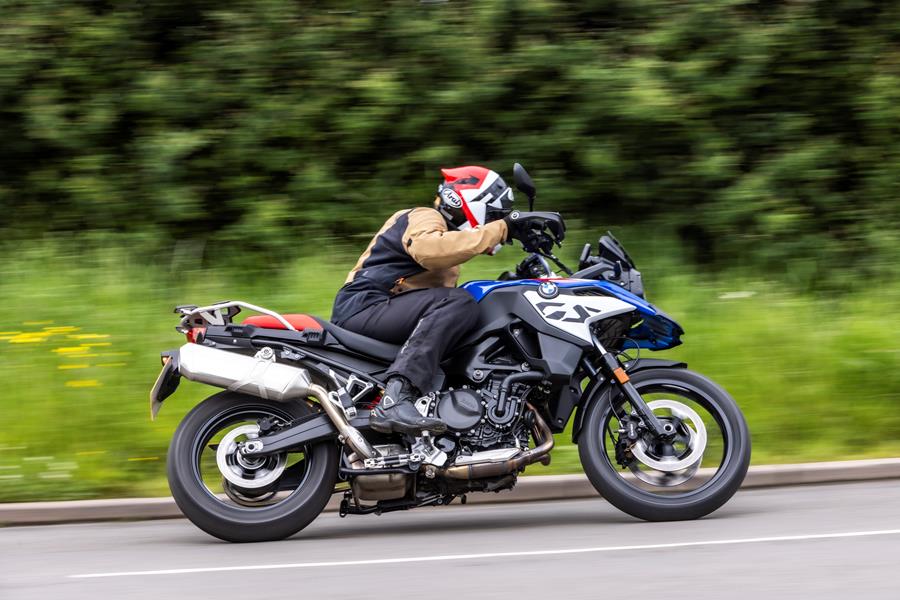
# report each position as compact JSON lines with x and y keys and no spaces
{"x":403,"y":287}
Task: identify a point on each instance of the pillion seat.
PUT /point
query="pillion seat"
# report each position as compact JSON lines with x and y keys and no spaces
{"x":350,"y":340}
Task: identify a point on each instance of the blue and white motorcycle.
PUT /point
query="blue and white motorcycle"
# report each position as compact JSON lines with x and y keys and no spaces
{"x":262,"y":458}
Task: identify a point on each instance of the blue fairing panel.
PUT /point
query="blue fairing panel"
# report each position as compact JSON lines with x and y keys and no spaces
{"x":655,"y":331}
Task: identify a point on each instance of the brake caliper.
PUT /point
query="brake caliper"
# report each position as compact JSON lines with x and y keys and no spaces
{"x":628,"y":435}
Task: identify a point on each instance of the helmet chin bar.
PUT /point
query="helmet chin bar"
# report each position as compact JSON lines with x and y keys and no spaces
{"x":477,"y":210}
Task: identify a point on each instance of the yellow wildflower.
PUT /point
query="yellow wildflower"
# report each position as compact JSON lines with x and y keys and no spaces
{"x":29,"y":338}
{"x":70,"y":350}
{"x":83,"y":383}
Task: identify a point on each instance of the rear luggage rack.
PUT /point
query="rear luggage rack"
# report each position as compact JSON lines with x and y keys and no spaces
{"x":221,"y":313}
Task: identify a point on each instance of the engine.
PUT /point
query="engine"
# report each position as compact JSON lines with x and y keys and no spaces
{"x":484,"y":447}
{"x":479,"y":418}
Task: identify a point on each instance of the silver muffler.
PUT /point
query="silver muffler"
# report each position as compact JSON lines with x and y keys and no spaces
{"x":261,"y":376}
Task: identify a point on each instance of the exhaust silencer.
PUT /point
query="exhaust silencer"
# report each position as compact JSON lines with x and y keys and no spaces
{"x":261,"y":376}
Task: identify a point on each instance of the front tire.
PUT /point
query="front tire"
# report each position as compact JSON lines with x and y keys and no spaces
{"x":244,"y":521}
{"x":666,"y":505}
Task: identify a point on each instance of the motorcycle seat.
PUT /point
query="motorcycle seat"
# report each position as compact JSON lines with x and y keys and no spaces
{"x":350,"y":340}
{"x":299,"y":322}
{"x":360,"y":343}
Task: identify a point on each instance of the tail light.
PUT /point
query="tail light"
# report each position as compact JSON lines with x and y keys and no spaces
{"x":195,"y":335}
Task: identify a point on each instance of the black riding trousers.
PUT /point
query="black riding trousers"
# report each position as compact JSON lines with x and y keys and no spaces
{"x":428,"y":322}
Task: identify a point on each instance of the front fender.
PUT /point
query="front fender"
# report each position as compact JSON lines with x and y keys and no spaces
{"x":598,"y":389}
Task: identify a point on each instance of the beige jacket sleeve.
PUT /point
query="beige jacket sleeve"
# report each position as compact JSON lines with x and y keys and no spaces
{"x":430,"y":244}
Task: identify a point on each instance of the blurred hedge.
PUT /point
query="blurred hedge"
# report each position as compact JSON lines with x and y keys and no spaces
{"x":765,"y":133}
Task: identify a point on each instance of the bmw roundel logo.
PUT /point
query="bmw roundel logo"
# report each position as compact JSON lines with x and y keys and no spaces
{"x":548,"y":289}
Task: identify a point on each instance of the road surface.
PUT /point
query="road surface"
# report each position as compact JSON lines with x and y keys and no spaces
{"x":826,"y":541}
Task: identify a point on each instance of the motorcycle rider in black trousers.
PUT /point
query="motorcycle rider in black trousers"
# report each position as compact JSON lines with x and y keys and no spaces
{"x":403,"y":287}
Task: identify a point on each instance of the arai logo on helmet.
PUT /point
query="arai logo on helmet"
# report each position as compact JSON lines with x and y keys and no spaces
{"x":548,"y":289}
{"x":451,"y":198}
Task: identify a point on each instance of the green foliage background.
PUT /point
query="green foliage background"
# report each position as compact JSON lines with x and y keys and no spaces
{"x":187,"y":151}
{"x":762,"y":131}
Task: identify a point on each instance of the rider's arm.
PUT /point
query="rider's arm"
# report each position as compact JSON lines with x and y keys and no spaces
{"x":430,"y":244}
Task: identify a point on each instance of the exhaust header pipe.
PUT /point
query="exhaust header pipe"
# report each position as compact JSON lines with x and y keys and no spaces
{"x":261,"y":376}
{"x":542,"y":436}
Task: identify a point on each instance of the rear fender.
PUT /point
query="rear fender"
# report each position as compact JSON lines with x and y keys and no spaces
{"x":599,"y":389}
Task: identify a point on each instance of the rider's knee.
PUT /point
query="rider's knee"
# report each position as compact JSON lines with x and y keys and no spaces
{"x":461,"y":299}
{"x":464,"y":307}
{"x":460,"y":296}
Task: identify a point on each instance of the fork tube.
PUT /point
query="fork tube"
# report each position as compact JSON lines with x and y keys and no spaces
{"x":612,"y":368}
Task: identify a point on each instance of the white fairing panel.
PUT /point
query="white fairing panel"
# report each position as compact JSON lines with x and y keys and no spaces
{"x":574,"y":314}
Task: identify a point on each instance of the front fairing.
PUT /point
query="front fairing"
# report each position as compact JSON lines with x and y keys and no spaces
{"x":654,"y":331}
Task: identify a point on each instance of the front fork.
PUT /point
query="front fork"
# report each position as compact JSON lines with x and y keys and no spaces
{"x":613,"y":370}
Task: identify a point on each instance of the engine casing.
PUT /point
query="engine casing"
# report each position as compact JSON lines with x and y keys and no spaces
{"x":473,"y":418}
{"x":460,"y":409}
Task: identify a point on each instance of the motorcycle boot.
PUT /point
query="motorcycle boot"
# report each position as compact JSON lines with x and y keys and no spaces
{"x":397,"y":413}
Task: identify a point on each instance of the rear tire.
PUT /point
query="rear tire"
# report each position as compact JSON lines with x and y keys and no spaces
{"x":234,"y":523}
{"x":659,"y":507}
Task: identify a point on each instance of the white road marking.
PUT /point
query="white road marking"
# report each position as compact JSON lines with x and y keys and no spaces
{"x":447,"y":557}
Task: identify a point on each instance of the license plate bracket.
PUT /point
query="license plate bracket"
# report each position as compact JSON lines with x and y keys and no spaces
{"x":166,"y":383}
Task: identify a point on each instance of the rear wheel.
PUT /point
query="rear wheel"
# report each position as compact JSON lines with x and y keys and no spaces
{"x":241,"y":499}
{"x":687,"y":476}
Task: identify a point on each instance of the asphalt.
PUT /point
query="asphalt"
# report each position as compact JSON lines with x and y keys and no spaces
{"x":528,"y":489}
{"x":815,"y":541}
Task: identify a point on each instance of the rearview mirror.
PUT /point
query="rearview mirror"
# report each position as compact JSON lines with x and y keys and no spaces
{"x":524,"y":183}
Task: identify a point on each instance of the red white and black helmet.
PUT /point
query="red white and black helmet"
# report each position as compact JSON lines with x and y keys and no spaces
{"x":472,"y":196}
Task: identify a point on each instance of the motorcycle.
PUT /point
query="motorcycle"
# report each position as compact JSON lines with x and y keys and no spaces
{"x":260,"y":460}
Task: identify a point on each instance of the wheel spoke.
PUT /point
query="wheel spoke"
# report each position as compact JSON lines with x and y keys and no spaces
{"x":293,"y":475}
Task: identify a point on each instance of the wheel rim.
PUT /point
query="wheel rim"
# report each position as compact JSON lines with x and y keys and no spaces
{"x":682,"y":458}
{"x":246,"y":482}
{"x":676,"y":473}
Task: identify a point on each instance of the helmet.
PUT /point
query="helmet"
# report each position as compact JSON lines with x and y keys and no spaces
{"x":472,"y":196}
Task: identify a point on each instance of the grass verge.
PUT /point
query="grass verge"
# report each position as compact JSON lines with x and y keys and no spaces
{"x":80,"y":333}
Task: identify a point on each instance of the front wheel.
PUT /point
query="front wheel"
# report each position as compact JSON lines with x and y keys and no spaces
{"x":247,"y":499}
{"x":688,"y":475}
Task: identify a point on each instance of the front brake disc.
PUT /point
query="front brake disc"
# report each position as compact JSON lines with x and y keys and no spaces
{"x":669,"y":470}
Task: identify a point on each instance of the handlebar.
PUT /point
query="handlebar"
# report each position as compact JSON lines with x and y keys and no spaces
{"x":535,"y":266}
{"x":611,"y":263}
